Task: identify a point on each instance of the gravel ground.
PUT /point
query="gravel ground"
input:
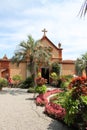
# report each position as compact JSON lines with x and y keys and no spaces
{"x":18,"y":111}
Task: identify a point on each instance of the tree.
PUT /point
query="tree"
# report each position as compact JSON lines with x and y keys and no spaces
{"x":83,"y":9}
{"x":25,"y":52}
{"x":79,"y":67}
{"x":84,"y":58}
{"x":81,"y":64}
{"x":33,"y":54}
{"x":56,"y":68}
{"x":42,"y":55}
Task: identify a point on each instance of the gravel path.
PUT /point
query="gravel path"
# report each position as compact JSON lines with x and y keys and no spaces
{"x":19,"y":112}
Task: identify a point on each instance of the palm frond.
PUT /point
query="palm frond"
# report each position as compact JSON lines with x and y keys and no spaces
{"x":83,"y":9}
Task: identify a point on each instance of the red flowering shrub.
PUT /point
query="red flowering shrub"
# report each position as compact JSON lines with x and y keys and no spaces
{"x":42,"y":98}
{"x":40,"y":81}
{"x":79,"y":85}
{"x":41,"y":87}
{"x":78,"y":91}
{"x":77,"y":82}
{"x":76,"y":103}
{"x":55,"y":110}
{"x":51,"y":109}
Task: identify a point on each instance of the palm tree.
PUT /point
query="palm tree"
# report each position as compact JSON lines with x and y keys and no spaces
{"x":83,"y":9}
{"x":33,"y":54}
{"x":42,"y":55}
{"x":81,"y":64}
{"x":84,"y":58}
{"x":25,"y":52}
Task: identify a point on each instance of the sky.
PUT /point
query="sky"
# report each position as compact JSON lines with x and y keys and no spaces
{"x":20,"y":18}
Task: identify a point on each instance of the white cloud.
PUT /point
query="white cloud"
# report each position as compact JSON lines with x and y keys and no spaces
{"x":21,"y":18}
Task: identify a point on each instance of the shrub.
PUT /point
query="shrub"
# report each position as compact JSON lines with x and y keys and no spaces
{"x":3,"y":83}
{"x":27,"y":83}
{"x":77,"y":82}
{"x":76,"y":103}
{"x":71,"y":107}
{"x":16,"y":80}
{"x":55,"y":110}
{"x":41,"y":81}
{"x":60,"y":98}
{"x":41,"y":89}
{"x":56,"y":68}
{"x":63,"y":81}
{"x":31,"y":90}
{"x":42,"y":98}
{"x":54,"y":76}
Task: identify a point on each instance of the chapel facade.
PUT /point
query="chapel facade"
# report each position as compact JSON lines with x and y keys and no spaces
{"x":67,"y":66}
{"x":7,"y":68}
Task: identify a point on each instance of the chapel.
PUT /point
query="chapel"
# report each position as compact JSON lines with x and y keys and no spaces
{"x":8,"y":69}
{"x":67,"y":66}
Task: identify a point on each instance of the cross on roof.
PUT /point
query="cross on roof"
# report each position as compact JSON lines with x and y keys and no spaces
{"x":44,"y":30}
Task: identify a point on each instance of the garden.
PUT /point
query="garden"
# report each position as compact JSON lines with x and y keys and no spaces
{"x":68,"y":103}
{"x":65,"y":102}
{"x":15,"y":81}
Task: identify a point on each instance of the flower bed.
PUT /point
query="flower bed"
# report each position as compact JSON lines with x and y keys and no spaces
{"x":69,"y":106}
{"x":51,"y":109}
{"x":42,"y":98}
{"x":55,"y":111}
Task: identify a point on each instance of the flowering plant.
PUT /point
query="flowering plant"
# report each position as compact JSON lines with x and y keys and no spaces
{"x":77,"y":82}
{"x":41,"y":81}
{"x":42,"y":99}
{"x":76,"y":103}
{"x":55,"y":110}
{"x":70,"y":106}
{"x":79,"y":87}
